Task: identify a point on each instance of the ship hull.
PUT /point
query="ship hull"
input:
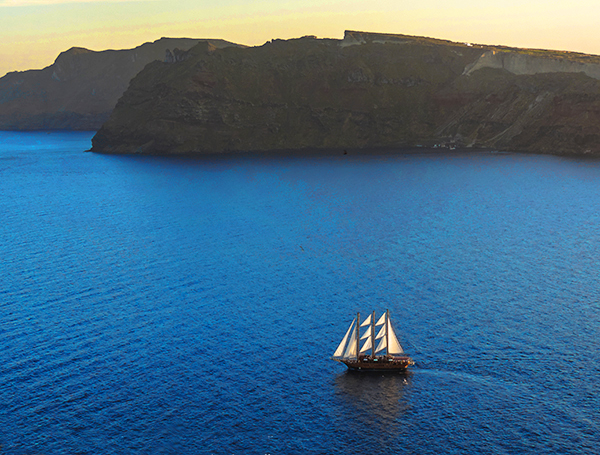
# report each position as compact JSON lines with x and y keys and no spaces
{"x":379,"y":364}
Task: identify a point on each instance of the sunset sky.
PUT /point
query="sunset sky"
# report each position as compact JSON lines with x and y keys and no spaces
{"x":34,"y":32}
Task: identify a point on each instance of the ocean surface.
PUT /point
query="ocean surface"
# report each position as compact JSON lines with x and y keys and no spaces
{"x":153,"y":305}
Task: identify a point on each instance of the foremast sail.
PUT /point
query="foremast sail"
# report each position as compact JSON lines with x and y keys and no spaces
{"x":340,"y":349}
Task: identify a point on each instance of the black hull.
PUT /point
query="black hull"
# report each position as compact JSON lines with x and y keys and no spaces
{"x":379,"y":364}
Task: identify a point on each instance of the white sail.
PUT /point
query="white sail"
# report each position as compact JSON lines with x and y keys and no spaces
{"x":394,"y":346}
{"x":340,"y":349}
{"x":381,"y":333}
{"x":382,"y":344}
{"x":351,"y":348}
{"x":366,"y":321}
{"x":381,"y":320}
{"x":368,"y":344}
{"x":366,"y":334}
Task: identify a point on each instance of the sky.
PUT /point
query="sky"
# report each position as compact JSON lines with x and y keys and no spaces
{"x":34,"y":32}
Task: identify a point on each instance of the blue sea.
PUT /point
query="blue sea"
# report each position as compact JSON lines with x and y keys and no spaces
{"x":155,"y":305}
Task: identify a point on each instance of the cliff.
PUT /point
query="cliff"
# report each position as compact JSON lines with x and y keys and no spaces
{"x":366,"y":91}
{"x":80,"y":89}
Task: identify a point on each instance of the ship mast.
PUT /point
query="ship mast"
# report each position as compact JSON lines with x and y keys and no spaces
{"x":357,"y":335}
{"x":387,"y":335}
{"x":373,"y":335}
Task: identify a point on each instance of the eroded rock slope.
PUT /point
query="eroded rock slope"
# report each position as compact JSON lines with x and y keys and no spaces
{"x":363,"y":92}
{"x":81,"y":88}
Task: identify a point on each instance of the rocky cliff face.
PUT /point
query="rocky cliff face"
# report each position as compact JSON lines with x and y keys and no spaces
{"x":80,"y":89}
{"x":520,"y":63}
{"x":363,"y":92}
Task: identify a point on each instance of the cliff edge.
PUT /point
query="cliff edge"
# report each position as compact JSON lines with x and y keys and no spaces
{"x":366,"y":91}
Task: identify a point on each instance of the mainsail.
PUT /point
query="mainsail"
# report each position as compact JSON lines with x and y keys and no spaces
{"x":394,"y":346}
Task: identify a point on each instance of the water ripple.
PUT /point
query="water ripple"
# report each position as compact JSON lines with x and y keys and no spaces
{"x":172,"y":305}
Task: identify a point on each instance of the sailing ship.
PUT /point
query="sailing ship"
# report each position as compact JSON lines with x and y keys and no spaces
{"x":387,"y":356}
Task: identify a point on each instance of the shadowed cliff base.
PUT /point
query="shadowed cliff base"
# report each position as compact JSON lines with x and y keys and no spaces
{"x":367,"y":91}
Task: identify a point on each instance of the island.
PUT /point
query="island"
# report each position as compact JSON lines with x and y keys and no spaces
{"x":365,"y":92}
{"x":81,"y":88}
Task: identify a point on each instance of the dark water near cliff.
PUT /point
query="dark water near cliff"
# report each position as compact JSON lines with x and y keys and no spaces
{"x":179,"y":306}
